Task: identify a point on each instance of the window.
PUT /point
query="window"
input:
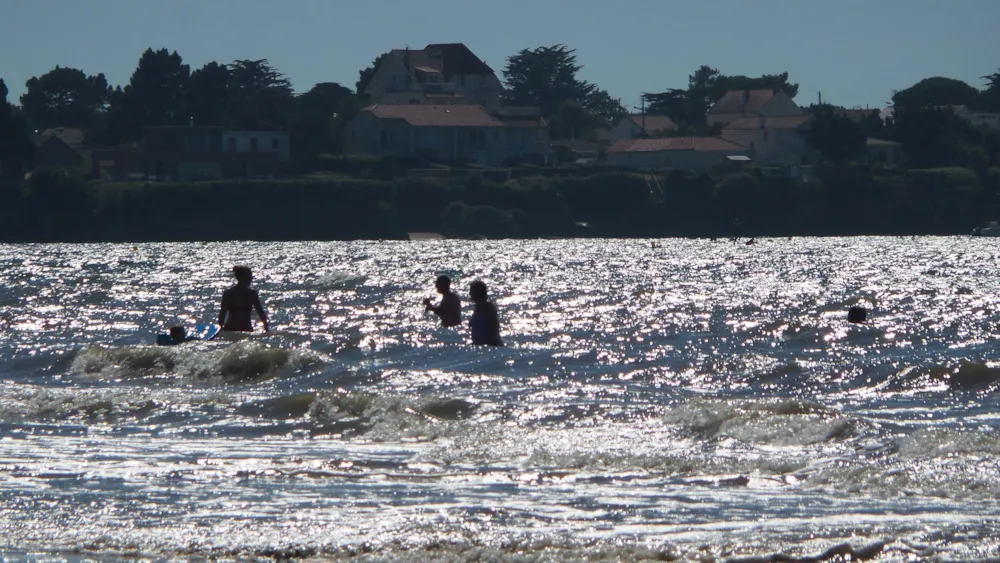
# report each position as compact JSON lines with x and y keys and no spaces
{"x":275,"y":144}
{"x":232,"y":144}
{"x":254,"y":144}
{"x":384,"y":136}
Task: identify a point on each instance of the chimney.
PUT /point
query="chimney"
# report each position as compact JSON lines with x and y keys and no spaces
{"x":821,"y":98}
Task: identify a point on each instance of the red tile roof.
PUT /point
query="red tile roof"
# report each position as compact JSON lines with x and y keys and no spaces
{"x":676,"y":144}
{"x":654,"y":123}
{"x":454,"y":115}
{"x":755,"y":123}
{"x":732,"y":101}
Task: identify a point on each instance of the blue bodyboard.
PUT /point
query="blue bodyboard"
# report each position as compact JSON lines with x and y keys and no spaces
{"x":201,"y":332}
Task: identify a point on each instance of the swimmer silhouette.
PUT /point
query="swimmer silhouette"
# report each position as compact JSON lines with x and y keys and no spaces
{"x":238,"y":301}
{"x":450,"y":308}
{"x":485,"y":323}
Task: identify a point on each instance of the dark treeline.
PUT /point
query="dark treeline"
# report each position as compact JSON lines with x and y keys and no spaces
{"x":951,"y":181}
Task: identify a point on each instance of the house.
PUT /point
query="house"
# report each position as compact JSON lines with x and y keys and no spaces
{"x":452,"y":132}
{"x":858,"y":115}
{"x":775,"y":141}
{"x":188,"y":153}
{"x":642,"y":125}
{"x":978,"y":119}
{"x":63,"y":148}
{"x":881,"y":151}
{"x":694,"y":154}
{"x":438,"y":74}
{"x":741,"y":104}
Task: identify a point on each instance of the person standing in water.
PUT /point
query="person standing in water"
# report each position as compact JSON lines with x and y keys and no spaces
{"x":450,"y":308}
{"x":485,"y":323}
{"x":238,"y":302}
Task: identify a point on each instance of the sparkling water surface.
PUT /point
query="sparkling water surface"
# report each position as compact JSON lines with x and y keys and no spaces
{"x":656,"y":400}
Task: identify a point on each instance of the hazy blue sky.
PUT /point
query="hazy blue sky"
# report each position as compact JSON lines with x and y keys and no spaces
{"x":856,"y":52}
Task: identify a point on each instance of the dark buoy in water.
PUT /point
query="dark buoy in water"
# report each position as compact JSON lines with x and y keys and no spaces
{"x":857,"y":315}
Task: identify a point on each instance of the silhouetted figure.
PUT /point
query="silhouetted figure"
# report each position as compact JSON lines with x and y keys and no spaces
{"x":752,"y":241}
{"x":857,"y":315}
{"x":485,"y":323}
{"x":177,"y":335}
{"x":450,"y":308}
{"x":238,"y":302}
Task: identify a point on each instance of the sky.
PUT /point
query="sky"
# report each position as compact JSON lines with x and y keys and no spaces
{"x":854,"y":52}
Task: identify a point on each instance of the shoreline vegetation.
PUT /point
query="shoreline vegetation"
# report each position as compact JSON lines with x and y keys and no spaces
{"x":371,"y":198}
{"x":947,"y":182}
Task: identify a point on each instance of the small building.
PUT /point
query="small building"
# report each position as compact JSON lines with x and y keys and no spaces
{"x":881,"y":151}
{"x":978,"y":119}
{"x":62,"y":148}
{"x":454,"y":132}
{"x":640,"y":126}
{"x":693,"y":154}
{"x":742,"y":104}
{"x":774,"y":141}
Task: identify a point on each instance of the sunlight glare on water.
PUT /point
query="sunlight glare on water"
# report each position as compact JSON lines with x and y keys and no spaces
{"x":692,"y":399}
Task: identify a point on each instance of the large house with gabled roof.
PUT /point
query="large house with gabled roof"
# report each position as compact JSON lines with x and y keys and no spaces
{"x":742,"y":104}
{"x":438,"y":74}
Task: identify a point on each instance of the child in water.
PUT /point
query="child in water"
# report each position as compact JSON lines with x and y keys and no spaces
{"x":239,"y":301}
{"x":485,"y":323}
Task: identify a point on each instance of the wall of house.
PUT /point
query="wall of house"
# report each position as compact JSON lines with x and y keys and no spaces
{"x":692,"y":161}
{"x":624,"y":129}
{"x":267,"y":142}
{"x":776,"y":147}
{"x":366,"y":134}
{"x":390,"y":76}
{"x":988,"y":120}
{"x":57,"y":154}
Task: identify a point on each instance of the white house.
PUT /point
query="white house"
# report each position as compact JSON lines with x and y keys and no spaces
{"x":741,"y":104}
{"x":694,"y":154}
{"x":778,"y":141}
{"x":438,"y":74}
{"x":978,"y":119}
{"x":641,"y":125}
{"x":257,"y":142}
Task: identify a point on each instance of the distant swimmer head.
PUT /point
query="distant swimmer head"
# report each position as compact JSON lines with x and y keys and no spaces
{"x":477,"y":291}
{"x":242,"y":274}
{"x":177,"y":333}
{"x":857,"y":314}
{"x":443,"y":284}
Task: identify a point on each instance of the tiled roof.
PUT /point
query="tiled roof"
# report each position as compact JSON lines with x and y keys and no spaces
{"x":448,"y":59}
{"x":654,"y":123}
{"x":455,"y":115}
{"x":676,"y":144}
{"x":754,"y":123}
{"x":732,"y":101}
{"x":72,"y":136}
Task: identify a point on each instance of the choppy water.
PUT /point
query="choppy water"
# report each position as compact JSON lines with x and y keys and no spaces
{"x":690,"y":399}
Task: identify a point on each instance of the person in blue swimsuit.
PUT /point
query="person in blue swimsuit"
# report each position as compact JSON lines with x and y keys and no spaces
{"x":485,"y":323}
{"x":239,"y":301}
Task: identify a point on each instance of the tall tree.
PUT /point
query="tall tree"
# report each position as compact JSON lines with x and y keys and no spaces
{"x":990,"y":97}
{"x":836,"y":137}
{"x":262,"y":93}
{"x":317,"y":125}
{"x":934,"y":92}
{"x":545,"y":77}
{"x":16,"y":148}
{"x":209,"y":98}
{"x":64,"y":97}
{"x":601,"y":104}
{"x":365,"y":75}
{"x":155,"y":92}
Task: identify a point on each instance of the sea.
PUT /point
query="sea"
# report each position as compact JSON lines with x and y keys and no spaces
{"x":655,"y":400}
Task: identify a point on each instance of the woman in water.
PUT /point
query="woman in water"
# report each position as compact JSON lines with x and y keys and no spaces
{"x":238,"y":301}
{"x":485,"y":323}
